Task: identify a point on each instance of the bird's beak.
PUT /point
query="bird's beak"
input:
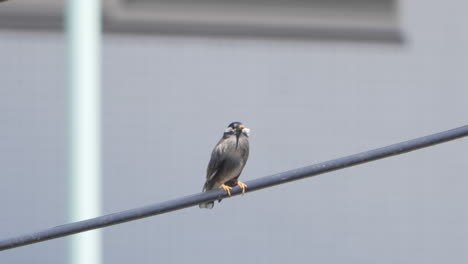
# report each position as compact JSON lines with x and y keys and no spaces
{"x":241,"y":126}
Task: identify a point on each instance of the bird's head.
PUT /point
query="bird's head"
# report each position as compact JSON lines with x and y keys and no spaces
{"x":237,"y":128}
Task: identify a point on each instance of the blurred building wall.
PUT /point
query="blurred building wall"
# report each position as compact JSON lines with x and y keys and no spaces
{"x":166,"y":101}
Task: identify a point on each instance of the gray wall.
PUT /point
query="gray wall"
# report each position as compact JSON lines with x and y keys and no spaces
{"x":166,"y":101}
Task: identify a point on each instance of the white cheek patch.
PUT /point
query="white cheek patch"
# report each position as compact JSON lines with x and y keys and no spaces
{"x":246,"y":131}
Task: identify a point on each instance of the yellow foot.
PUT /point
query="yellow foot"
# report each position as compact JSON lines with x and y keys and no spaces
{"x":226,"y":188}
{"x":242,"y":185}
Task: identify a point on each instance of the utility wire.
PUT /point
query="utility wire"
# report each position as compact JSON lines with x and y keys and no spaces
{"x":253,"y":185}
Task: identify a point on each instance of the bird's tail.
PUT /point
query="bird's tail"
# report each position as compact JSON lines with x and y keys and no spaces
{"x":208,"y":205}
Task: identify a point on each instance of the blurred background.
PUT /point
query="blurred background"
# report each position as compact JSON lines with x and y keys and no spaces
{"x":313,"y":80}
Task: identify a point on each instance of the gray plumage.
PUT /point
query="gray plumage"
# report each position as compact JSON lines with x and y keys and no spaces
{"x":227,"y":159}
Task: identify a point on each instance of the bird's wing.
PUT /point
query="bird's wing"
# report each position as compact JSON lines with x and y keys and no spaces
{"x":245,"y":151}
{"x":217,"y":159}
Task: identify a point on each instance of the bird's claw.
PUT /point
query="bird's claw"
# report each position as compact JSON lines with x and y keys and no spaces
{"x":242,"y":185}
{"x":226,"y":189}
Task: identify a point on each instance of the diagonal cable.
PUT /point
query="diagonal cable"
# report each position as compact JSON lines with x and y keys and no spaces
{"x":253,"y":185}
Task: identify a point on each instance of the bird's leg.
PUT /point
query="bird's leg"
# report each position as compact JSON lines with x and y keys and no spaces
{"x":242,"y":185}
{"x":225,"y":188}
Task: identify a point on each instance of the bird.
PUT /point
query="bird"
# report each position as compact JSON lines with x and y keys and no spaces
{"x":228,"y":159}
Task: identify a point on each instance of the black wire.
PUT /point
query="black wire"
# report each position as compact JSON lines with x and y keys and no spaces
{"x":253,"y":185}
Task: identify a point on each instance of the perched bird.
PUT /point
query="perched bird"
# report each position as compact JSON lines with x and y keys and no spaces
{"x":227,"y":161}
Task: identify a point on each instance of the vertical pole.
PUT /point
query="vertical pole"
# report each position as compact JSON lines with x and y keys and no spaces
{"x":83,"y":32}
